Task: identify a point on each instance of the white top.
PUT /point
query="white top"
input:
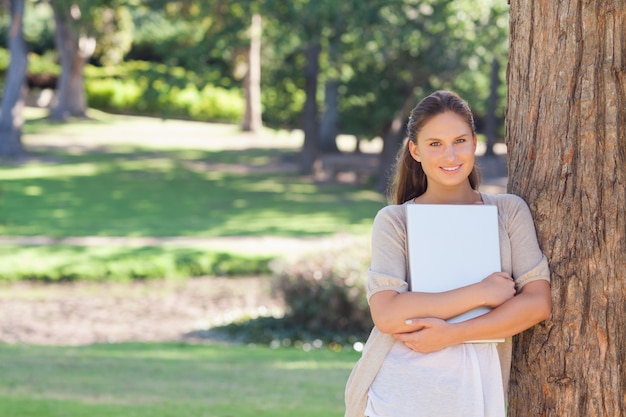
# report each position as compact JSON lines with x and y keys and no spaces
{"x":520,"y":256}
{"x":462,"y":380}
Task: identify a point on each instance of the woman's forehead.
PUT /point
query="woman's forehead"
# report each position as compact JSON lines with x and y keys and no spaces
{"x":445,"y":125}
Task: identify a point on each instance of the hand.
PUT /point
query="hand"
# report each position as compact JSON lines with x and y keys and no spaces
{"x":430,"y":335}
{"x":496,"y":289}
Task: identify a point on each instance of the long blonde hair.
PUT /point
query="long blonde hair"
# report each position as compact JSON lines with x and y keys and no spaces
{"x":409,"y":180}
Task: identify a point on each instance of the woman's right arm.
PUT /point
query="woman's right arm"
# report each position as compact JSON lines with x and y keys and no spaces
{"x":390,"y":302}
{"x":391,"y":309}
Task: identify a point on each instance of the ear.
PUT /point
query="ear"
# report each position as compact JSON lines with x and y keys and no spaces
{"x":414,"y":151}
{"x":475,"y":142}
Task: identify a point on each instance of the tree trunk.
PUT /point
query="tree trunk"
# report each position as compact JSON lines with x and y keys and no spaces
{"x":329,"y":125}
{"x":491,"y":122}
{"x":252,"y":120}
{"x":311,"y":129}
{"x":12,"y":101}
{"x":73,"y":53}
{"x":392,"y":139}
{"x":566,"y":114}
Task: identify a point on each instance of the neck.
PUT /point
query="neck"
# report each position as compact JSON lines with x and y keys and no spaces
{"x":465,"y":196}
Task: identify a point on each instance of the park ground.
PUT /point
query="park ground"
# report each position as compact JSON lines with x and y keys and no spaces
{"x":167,"y":310}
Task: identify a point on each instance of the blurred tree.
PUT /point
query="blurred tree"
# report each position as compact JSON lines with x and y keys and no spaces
{"x":373,"y":59}
{"x":412,"y":49}
{"x":304,"y":21}
{"x":11,"y":118}
{"x":216,"y":36}
{"x":252,"y":121}
{"x":78,"y":30}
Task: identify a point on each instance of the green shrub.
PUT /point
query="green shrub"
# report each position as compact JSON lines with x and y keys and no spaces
{"x":113,"y":94}
{"x":325,"y":292}
{"x":43,"y":64}
{"x":159,"y":90}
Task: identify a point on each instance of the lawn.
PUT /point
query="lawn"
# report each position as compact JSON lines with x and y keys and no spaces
{"x":121,"y":176}
{"x":140,"y":192}
{"x":172,"y":380}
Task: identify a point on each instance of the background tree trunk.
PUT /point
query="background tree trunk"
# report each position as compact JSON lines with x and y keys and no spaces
{"x":252,"y":120}
{"x":567,"y":158}
{"x":12,"y":101}
{"x":392,"y":140}
{"x":73,"y":53}
{"x":329,"y":125}
{"x":309,"y":151}
{"x":491,"y":121}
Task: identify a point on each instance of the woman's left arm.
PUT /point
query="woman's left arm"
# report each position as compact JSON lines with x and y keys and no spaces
{"x":532,"y":305}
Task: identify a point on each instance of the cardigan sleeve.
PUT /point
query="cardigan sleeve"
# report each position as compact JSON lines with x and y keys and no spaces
{"x":388,"y":269}
{"x":528,"y":261}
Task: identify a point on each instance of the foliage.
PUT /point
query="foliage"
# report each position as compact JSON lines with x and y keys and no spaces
{"x":172,"y":380}
{"x":55,"y":263}
{"x":325,"y":291}
{"x":325,"y":297}
{"x":38,"y":27}
{"x":146,"y":88}
{"x":156,"y":89}
{"x":385,"y":52}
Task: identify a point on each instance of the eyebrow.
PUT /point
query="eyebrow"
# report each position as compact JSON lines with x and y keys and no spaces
{"x":463,"y":135}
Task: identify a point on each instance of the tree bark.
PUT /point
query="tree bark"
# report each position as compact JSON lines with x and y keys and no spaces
{"x":11,"y":120}
{"x":73,"y":54}
{"x":311,"y":126}
{"x":566,"y":142}
{"x":252,"y":121}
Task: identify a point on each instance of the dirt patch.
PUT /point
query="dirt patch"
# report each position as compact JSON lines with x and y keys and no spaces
{"x":85,"y":313}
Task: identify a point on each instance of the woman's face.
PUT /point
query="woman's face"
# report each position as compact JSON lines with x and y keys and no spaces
{"x":445,"y":147}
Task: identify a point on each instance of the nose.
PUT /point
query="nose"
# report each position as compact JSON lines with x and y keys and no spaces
{"x":450,"y":153}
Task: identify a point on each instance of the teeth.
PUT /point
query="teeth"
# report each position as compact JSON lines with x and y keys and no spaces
{"x":451,"y":169}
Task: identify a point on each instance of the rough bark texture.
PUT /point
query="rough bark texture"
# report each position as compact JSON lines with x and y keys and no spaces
{"x":11,"y":119}
{"x":567,"y":157}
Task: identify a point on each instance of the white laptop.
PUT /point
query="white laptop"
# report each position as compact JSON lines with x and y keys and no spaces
{"x":452,"y":246}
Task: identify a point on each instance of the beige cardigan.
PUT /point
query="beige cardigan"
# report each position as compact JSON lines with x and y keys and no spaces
{"x":520,"y":256}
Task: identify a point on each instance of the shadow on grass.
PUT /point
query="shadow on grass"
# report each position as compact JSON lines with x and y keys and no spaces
{"x":138,"y":192}
{"x":276,"y":332}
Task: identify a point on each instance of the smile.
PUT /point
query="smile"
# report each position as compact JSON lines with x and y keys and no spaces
{"x":451,"y":169}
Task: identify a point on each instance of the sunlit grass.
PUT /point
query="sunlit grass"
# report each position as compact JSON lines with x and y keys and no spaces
{"x":172,"y":193}
{"x":53,"y":263}
{"x":175,"y":380}
{"x":143,"y":177}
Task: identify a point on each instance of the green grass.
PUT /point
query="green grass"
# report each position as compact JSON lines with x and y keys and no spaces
{"x":177,"y":380}
{"x":143,"y":177}
{"x":134,"y":191}
{"x":52,"y":263}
